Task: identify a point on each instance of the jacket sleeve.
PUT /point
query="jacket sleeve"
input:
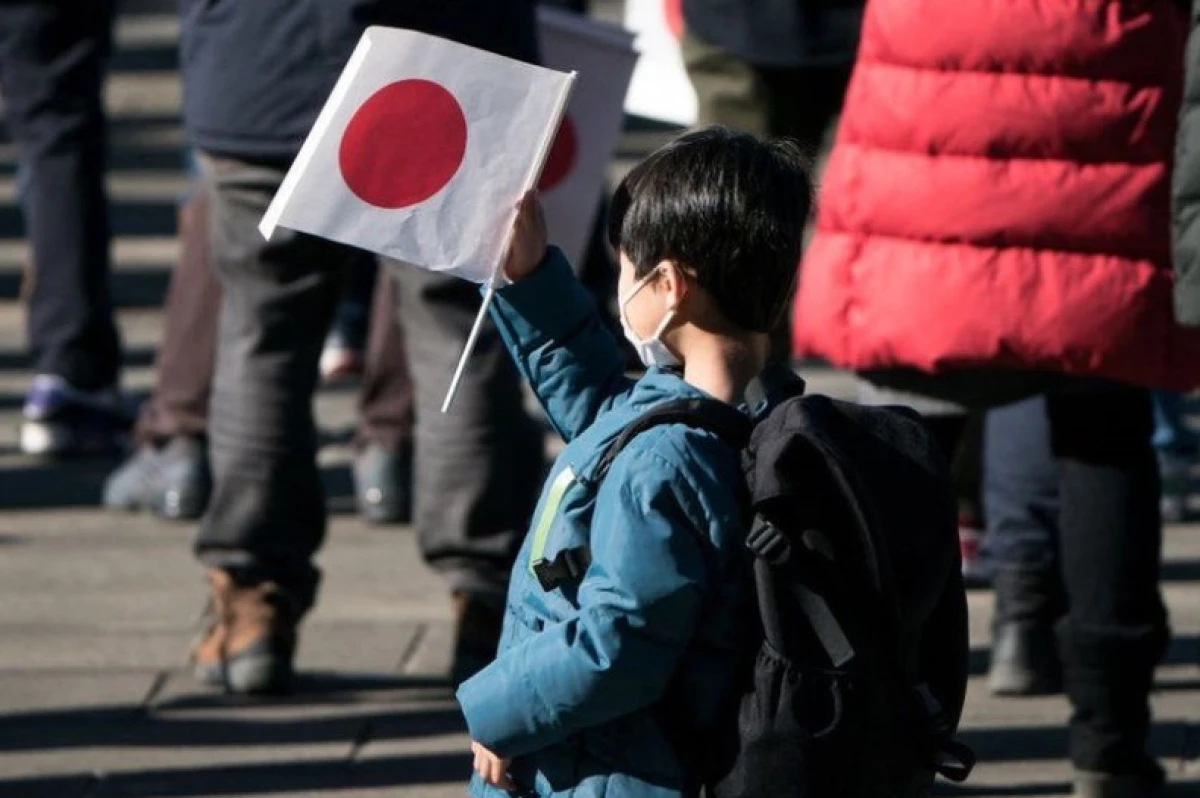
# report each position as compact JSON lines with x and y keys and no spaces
{"x":554,"y":332}
{"x":1185,"y":189}
{"x":638,"y":608}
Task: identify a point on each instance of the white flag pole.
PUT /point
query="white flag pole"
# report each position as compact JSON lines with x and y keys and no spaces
{"x":535,"y":170}
{"x":472,"y":339}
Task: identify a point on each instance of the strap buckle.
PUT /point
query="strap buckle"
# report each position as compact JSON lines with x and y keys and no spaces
{"x":568,"y":565}
{"x":768,"y":542}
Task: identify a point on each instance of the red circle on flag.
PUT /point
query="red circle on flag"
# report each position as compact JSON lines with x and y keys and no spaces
{"x":563,"y":153}
{"x":673,"y":9}
{"x":404,"y":144}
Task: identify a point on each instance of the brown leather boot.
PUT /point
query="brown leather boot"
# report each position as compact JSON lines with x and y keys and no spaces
{"x":251,"y":638}
{"x":477,"y":626}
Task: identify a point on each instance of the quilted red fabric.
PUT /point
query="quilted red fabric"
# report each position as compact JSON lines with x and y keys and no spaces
{"x":999,"y":193}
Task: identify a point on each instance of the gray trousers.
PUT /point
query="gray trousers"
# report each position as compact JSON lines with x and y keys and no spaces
{"x":477,"y":468}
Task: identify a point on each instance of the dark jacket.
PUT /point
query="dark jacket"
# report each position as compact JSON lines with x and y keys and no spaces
{"x":256,"y":72}
{"x":1185,"y":193}
{"x":780,"y":33}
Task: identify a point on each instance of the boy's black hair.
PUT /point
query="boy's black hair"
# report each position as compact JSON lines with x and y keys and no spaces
{"x":728,"y":207}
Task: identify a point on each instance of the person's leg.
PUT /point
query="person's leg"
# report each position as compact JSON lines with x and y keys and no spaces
{"x":801,"y":103}
{"x":343,"y":355}
{"x":729,"y":89}
{"x":383,"y":471}
{"x":186,"y":355}
{"x":267,"y":514}
{"x":1021,"y":505}
{"x":1115,"y":631}
{"x":479,"y":466}
{"x":1177,"y":449}
{"x":53,"y":59}
{"x":978,"y":566}
{"x":168,"y":472}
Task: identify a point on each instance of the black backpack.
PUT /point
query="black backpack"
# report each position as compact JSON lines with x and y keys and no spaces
{"x":854,"y":683}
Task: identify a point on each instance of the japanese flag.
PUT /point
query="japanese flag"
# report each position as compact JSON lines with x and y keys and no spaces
{"x":661,"y":88}
{"x":422,"y":151}
{"x":572,"y":182}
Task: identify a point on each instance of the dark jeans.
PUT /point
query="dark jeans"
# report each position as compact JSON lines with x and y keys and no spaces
{"x":477,"y":468}
{"x":53,"y":58}
{"x":185,"y":362}
{"x":1071,"y":479}
{"x":1021,"y":488}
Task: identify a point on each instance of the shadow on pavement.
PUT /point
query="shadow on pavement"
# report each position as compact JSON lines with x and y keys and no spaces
{"x":1051,"y":788}
{"x":1023,"y":744}
{"x":1184,"y":650}
{"x":310,"y":776}
{"x":18,"y":359}
{"x":216,"y":724}
{"x":60,"y":484}
{"x":338,"y":714}
{"x":130,"y":289}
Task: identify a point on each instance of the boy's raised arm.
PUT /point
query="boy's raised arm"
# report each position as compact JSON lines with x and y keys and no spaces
{"x":553,"y":330}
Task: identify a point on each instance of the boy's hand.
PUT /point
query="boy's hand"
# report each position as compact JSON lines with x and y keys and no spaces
{"x":529,"y":240}
{"x":491,"y":768}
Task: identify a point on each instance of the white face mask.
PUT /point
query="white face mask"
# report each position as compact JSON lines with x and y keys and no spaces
{"x":651,"y":351}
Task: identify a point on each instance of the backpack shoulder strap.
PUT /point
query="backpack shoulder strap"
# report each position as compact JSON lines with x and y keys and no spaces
{"x":727,"y":423}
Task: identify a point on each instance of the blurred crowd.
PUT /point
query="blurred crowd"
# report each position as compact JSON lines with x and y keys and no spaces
{"x":996,"y":245}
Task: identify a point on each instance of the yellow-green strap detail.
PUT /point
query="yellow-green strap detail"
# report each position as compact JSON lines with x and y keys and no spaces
{"x":541,"y":532}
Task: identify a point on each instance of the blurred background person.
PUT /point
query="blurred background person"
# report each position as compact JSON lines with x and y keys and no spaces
{"x":773,"y":68}
{"x":255,"y":76}
{"x":1023,"y":508}
{"x":990,"y":229}
{"x":780,"y":68}
{"x":168,"y":471}
{"x":53,"y":60}
{"x":1177,"y":447}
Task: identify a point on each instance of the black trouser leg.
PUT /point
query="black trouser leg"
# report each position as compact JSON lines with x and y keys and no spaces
{"x":53,"y":57}
{"x":1115,"y":632}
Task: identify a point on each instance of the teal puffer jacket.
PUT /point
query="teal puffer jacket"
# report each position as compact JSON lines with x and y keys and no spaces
{"x":582,"y":679}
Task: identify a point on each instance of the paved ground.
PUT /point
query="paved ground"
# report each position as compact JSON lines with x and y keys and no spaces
{"x":97,"y":611}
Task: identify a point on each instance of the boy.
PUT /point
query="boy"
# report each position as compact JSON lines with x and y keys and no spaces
{"x":708,"y":230}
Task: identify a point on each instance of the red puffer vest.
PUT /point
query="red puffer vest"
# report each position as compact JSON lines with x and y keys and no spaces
{"x":999,"y":194}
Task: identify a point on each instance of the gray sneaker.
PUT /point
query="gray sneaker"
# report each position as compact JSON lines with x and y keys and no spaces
{"x":1025,"y":660}
{"x":383,"y":484}
{"x":1146,"y":782}
{"x":1175,"y":471}
{"x":131,"y":486}
{"x":172,"y":481}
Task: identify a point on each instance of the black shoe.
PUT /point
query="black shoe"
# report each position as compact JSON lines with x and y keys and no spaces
{"x":1146,"y":781}
{"x":173,"y":481}
{"x":383,"y":484}
{"x":1025,"y":660}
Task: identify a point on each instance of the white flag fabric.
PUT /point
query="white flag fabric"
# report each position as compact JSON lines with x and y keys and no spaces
{"x":573,"y":180}
{"x":661,"y":88}
{"x":422,"y":151}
